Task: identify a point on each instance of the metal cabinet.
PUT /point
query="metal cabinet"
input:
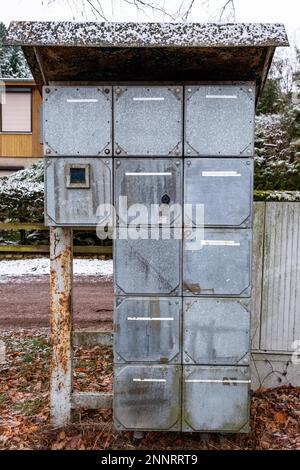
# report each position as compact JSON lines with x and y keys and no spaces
{"x":149,"y":265}
{"x":77,"y":120}
{"x":75,"y":187}
{"x":223,"y":186}
{"x":215,"y":399}
{"x":217,"y":262}
{"x":219,"y":120}
{"x":147,"y":397}
{"x":216,"y":331}
{"x":148,"y":120}
{"x":147,"y":329}
{"x":151,"y":187}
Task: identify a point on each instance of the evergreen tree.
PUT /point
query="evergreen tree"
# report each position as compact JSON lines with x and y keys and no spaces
{"x":12,"y":61}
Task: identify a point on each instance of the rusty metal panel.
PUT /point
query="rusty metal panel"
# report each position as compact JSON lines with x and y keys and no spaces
{"x":216,"y":399}
{"x":148,"y":266}
{"x":148,"y":181}
{"x":77,"y":120}
{"x":280,"y":325}
{"x":216,"y":331}
{"x":219,"y":120}
{"x":148,"y":120}
{"x":74,"y":188}
{"x":223,"y":186}
{"x":147,"y":397}
{"x":218,"y":263}
{"x":147,"y":329}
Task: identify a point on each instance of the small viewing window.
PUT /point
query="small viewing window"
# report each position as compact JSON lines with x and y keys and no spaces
{"x":78,"y":176}
{"x":16,"y":110}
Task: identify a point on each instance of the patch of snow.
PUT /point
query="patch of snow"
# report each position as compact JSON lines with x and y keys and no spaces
{"x":22,"y":268}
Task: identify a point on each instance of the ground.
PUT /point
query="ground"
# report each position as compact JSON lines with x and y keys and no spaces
{"x":24,"y":380}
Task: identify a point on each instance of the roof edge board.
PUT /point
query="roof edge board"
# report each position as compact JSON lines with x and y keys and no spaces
{"x":144,"y":35}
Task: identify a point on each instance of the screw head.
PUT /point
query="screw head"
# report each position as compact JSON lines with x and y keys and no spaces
{"x":188,"y":162}
{"x":247,"y":163}
{"x":177,"y":162}
{"x":118,"y":162}
{"x":177,"y":90}
{"x":106,"y":90}
{"x":177,"y":152}
{"x":118,"y":151}
{"x":189,"y":90}
{"x":47,"y":90}
{"x":118,"y":91}
{"x":250,"y":90}
{"x":107,"y":151}
{"x":188,"y":150}
{"x":48,"y":151}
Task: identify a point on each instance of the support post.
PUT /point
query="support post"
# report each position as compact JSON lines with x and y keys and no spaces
{"x":61,"y":272}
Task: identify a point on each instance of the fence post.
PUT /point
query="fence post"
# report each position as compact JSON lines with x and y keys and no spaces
{"x":61,"y":263}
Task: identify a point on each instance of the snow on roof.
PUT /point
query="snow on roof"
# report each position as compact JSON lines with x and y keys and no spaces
{"x":146,"y":34}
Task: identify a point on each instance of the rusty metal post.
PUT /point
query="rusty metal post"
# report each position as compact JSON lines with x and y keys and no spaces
{"x":61,"y":271}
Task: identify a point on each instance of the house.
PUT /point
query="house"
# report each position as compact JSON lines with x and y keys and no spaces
{"x":19,"y":125}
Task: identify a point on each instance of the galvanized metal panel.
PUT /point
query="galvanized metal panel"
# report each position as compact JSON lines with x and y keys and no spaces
{"x":148,"y":266}
{"x":67,"y":205}
{"x":219,"y":120}
{"x":216,"y":331}
{"x":148,"y":181}
{"x":215,"y":399}
{"x":147,"y":330}
{"x":257,"y":271}
{"x":218,"y":264}
{"x":147,"y":397}
{"x":148,"y":120}
{"x":77,"y":120}
{"x":223,"y":186}
{"x":280,"y":325}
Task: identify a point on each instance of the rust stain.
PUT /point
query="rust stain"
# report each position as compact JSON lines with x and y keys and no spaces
{"x":196,"y":289}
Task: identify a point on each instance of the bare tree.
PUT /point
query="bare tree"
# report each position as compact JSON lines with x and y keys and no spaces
{"x":217,"y":10}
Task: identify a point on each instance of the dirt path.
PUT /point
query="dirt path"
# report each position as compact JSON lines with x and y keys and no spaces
{"x":24,"y":302}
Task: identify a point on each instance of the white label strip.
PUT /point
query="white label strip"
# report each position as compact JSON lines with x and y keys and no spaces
{"x":226,"y":381}
{"x":87,"y":100}
{"x":149,"y":174}
{"x":220,"y":173}
{"x":150,"y":318}
{"x":149,"y":380}
{"x":219,"y":243}
{"x":224,"y":97}
{"x":148,"y":98}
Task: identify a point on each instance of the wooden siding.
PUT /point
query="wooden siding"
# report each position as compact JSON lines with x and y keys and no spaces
{"x":27,"y":144}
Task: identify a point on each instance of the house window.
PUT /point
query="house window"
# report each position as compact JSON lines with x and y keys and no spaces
{"x":16,"y":110}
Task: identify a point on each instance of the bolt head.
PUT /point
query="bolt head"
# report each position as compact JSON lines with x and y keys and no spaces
{"x":188,"y":162}
{"x":118,"y":162}
{"x":118,"y":91}
{"x":189,"y":90}
{"x":48,"y":151}
{"x":47,"y":90}
{"x":177,"y":162}
{"x":118,"y":151}
{"x":188,"y":150}
{"x":177,"y":90}
{"x":107,"y":151}
{"x":106,"y":90}
{"x":250,"y":90}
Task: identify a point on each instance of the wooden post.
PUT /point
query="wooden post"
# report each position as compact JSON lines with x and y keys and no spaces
{"x":61,"y":264}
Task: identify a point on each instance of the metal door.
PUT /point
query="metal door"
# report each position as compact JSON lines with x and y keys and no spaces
{"x":147,"y":330}
{"x":218,"y":264}
{"x":148,"y":120}
{"x":148,"y":266}
{"x":147,"y":397}
{"x":75,"y":187}
{"x":223,"y":186}
{"x":215,"y":399}
{"x":219,"y":120}
{"x":77,"y":120}
{"x":154,"y":183}
{"x":216,"y":331}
